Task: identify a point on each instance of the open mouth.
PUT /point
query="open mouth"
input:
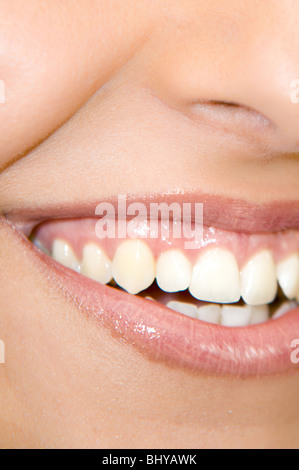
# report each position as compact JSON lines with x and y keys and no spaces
{"x":231,"y":279}
{"x":229,"y":306}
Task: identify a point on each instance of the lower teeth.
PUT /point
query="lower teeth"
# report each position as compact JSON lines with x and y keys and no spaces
{"x":230,"y":315}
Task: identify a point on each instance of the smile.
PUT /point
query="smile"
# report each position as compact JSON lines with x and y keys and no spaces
{"x":230,"y":306}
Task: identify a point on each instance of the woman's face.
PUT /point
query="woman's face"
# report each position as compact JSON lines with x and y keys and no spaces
{"x":180,"y":100}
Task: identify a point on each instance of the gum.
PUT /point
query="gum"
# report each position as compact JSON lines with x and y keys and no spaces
{"x":78,"y":232}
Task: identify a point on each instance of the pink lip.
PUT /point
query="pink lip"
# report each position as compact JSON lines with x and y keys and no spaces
{"x":164,"y":335}
{"x":224,"y":213}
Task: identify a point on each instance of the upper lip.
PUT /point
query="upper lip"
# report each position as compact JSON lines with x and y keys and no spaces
{"x":225,"y":213}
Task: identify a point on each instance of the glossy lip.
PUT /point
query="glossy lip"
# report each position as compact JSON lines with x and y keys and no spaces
{"x":175,"y":339}
{"x":224,"y":213}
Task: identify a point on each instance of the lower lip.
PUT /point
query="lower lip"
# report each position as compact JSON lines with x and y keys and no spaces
{"x":167,"y":336}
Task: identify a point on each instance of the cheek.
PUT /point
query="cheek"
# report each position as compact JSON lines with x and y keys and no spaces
{"x":53,"y":58}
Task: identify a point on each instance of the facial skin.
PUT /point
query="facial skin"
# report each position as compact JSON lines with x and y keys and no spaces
{"x":115,"y":97}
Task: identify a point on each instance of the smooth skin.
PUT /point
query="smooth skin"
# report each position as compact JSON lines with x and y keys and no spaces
{"x":107,"y":97}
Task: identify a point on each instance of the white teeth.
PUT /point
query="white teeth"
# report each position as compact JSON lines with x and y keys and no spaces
{"x":232,"y":315}
{"x":133,"y":266}
{"x":258,"y":279}
{"x":174,"y":271}
{"x":63,"y":253}
{"x":183,"y":307}
{"x":95,"y":264}
{"x":227,"y":315}
{"x":215,"y":277}
{"x":288,"y":275}
{"x":209,"y":313}
{"x":283,"y":309}
{"x":258,"y":314}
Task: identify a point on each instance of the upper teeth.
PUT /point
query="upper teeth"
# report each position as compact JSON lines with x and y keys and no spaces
{"x":173,"y":271}
{"x":215,"y":276}
{"x":258,"y":279}
{"x":288,"y":275}
{"x":62,"y":252}
{"x":96,"y":264}
{"x":133,"y":266}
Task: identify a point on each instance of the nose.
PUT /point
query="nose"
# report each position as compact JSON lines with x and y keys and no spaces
{"x":245,"y":53}
{"x":267,"y":78}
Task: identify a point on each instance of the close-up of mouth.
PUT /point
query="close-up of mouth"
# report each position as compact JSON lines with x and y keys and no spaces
{"x":149,"y":224}
{"x":229,"y":305}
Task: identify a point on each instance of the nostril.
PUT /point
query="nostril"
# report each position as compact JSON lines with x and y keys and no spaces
{"x":222,"y":106}
{"x":223,"y":103}
{"x":233,"y":117}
